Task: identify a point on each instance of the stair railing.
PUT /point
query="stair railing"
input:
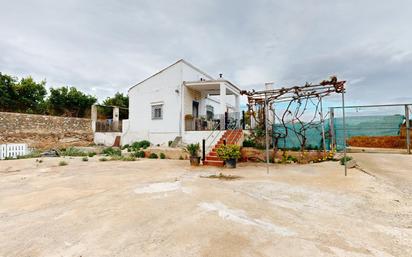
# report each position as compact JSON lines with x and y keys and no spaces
{"x":214,"y":128}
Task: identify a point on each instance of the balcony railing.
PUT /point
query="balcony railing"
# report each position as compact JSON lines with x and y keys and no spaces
{"x":233,"y":120}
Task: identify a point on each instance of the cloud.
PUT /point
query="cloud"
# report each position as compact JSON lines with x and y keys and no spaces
{"x":107,"y":46}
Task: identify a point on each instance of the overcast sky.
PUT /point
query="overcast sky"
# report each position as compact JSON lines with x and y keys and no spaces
{"x":106,"y":46}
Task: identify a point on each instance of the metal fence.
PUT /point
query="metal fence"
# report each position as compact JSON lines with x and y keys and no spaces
{"x":371,"y":126}
{"x":108,"y":126}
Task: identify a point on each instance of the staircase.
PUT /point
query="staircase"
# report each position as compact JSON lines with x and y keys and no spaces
{"x":232,"y":137}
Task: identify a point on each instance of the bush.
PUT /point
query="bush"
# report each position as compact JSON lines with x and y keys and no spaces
{"x":126,"y":146}
{"x":162,"y":156}
{"x":249,"y":143}
{"x":170,"y":143}
{"x":128,"y":158}
{"x":153,"y":156}
{"x":343,"y":160}
{"x":91,"y":154}
{"x":139,"y":154}
{"x":103,"y":159}
{"x":140,"y":144}
{"x":85,"y":159}
{"x":71,"y":151}
{"x":63,"y":163}
{"x":181,"y":157}
{"x":110,"y":151}
{"x":226,"y":152}
{"x":193,"y":149}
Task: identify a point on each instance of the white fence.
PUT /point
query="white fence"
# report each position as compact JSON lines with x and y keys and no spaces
{"x":12,"y":150}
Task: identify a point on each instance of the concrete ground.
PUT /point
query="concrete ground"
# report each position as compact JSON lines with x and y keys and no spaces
{"x":166,"y":208}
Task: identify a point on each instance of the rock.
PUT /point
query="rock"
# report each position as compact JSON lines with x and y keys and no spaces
{"x":50,"y":153}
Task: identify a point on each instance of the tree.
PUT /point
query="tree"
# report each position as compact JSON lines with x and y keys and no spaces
{"x":119,"y":100}
{"x":30,"y":95}
{"x":7,"y":92}
{"x":69,"y":102}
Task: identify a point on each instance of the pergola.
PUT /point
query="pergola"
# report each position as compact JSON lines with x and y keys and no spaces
{"x":270,"y":97}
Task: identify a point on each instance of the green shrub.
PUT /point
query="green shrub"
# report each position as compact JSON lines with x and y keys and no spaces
{"x":126,"y":146}
{"x":129,"y":158}
{"x":63,"y":163}
{"x":193,"y":149}
{"x":85,"y":159}
{"x":71,"y":151}
{"x":139,"y":154}
{"x":144,"y":144}
{"x":91,"y":154}
{"x":343,"y":160}
{"x":135,"y":146}
{"x":181,"y":157}
{"x":103,"y":159}
{"x":162,"y":156}
{"x":110,"y":151}
{"x":170,"y":143}
{"x":153,"y":156}
{"x":226,"y":152}
{"x":249,"y":143}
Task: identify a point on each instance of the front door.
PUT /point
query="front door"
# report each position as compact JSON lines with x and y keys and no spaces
{"x":195,"y":109}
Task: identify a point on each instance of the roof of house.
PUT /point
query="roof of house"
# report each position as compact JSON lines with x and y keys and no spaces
{"x":179,"y":61}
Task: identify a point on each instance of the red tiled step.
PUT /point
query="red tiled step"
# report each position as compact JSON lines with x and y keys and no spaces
{"x":212,"y":158}
{"x":213,"y":163}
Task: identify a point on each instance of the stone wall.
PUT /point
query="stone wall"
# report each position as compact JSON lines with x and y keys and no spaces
{"x":41,"y":131}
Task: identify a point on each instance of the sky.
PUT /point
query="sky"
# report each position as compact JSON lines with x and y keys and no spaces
{"x":104,"y":46}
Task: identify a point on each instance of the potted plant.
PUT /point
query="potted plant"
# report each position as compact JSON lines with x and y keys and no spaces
{"x":193,"y":150}
{"x":229,"y":154}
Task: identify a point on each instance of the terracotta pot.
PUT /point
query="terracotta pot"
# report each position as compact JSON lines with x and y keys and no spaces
{"x":194,"y":160}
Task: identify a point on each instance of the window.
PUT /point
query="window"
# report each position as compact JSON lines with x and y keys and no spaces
{"x":157,"y":112}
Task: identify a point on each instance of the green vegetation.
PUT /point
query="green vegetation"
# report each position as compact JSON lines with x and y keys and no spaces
{"x":110,"y":151}
{"x":29,"y":96}
{"x":181,"y":157}
{"x":135,"y":146}
{"x":103,"y":159}
{"x":249,"y":143}
{"x":71,"y":151}
{"x":63,"y":163}
{"x":139,"y":154}
{"x":343,"y":160}
{"x":129,"y":158}
{"x":69,"y":102}
{"x":193,"y":149}
{"x":226,"y":152}
{"x":85,"y":159}
{"x":91,"y":154}
{"x":162,"y":156}
{"x":153,"y":156}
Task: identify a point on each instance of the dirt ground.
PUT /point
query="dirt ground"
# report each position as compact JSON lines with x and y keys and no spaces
{"x":166,"y":208}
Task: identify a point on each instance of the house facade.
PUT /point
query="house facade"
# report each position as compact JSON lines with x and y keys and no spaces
{"x":181,"y":102}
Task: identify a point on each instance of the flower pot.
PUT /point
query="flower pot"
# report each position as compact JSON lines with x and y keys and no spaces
{"x":194,"y":160}
{"x":230,"y":163}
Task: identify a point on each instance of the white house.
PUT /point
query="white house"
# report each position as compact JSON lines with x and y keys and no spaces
{"x":181,"y":102}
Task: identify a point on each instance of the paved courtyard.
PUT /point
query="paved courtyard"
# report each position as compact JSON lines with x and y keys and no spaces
{"x":167,"y":208}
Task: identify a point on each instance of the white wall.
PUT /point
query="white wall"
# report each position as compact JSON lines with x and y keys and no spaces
{"x":105,"y":138}
{"x":160,"y":88}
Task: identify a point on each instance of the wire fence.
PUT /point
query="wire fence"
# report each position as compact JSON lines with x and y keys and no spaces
{"x":378,"y":126}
